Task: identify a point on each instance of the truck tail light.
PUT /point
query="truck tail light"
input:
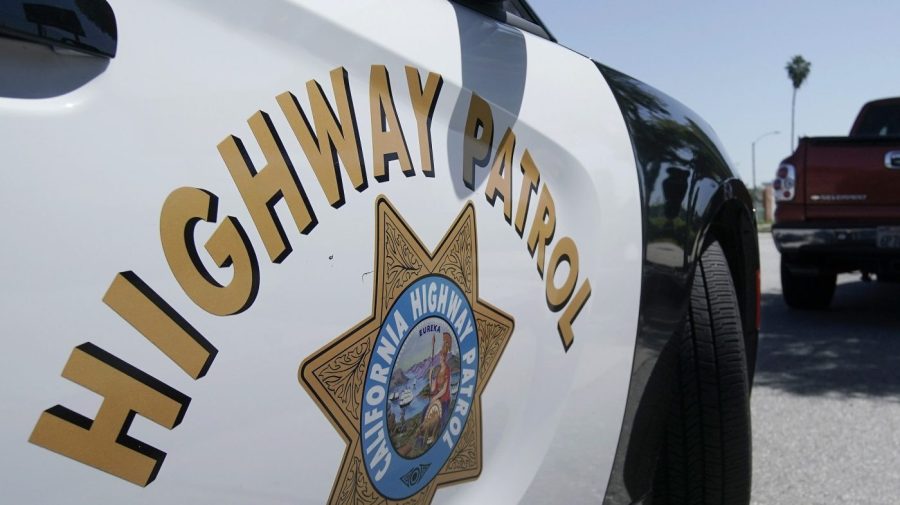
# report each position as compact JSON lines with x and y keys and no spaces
{"x":785,"y":183}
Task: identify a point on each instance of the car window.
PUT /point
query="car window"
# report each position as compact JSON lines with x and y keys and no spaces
{"x":515,"y":8}
{"x":880,"y":121}
{"x":514,"y":12}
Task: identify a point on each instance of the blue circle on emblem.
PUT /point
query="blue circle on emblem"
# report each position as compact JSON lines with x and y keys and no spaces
{"x":420,"y":386}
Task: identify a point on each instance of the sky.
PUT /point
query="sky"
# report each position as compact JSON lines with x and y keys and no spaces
{"x":725,"y":60}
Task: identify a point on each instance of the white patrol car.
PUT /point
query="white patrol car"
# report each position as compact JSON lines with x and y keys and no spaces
{"x":367,"y":252}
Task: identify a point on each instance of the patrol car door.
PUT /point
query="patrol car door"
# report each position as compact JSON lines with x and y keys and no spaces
{"x":303,"y":251}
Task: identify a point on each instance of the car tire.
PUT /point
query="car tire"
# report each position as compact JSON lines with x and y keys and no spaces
{"x":806,"y":290}
{"x":706,"y":457}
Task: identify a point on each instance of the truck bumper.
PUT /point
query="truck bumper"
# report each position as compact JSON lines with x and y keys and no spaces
{"x":837,"y":249}
{"x":788,"y":239}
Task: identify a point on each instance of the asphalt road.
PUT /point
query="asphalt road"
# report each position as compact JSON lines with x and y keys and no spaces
{"x":826,"y":398}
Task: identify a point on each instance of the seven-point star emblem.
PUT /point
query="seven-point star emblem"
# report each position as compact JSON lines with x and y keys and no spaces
{"x":403,"y":387}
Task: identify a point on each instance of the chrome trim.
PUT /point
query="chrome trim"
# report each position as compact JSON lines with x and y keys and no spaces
{"x":791,"y":239}
{"x":838,"y":198}
{"x":892,"y":160}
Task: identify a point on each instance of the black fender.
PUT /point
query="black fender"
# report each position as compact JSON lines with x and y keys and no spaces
{"x":690,"y":197}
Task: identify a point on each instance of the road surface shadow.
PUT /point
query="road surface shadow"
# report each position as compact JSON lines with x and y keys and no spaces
{"x":852,"y":349}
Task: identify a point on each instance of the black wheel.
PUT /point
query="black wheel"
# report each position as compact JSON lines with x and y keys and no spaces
{"x":707,"y":454}
{"x":811,"y":289}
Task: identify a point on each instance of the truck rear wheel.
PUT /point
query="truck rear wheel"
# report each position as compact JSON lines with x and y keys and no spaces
{"x":806,"y":290}
{"x":706,"y":457}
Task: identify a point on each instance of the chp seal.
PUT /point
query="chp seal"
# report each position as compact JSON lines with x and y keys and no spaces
{"x":420,"y":387}
{"x":403,"y":388}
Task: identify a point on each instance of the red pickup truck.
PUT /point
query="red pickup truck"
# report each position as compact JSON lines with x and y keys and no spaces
{"x":839,"y":207}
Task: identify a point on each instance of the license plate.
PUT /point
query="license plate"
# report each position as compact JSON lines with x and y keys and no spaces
{"x":888,"y":237}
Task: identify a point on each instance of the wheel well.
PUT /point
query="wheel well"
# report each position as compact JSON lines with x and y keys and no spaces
{"x":734,"y":228}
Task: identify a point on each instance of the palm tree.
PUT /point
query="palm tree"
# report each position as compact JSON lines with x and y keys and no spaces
{"x":797,"y":69}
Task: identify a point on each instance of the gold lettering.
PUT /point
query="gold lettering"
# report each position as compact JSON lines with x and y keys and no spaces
{"x":263,"y":189}
{"x":564,"y":251}
{"x":228,"y":246}
{"x":388,"y":142}
{"x":499,"y":181}
{"x":333,"y":138}
{"x":564,"y":326}
{"x":531,"y":178}
{"x":104,"y":442}
{"x":542,"y":227}
{"x":478,"y":138}
{"x":156,"y":320}
{"x":424,"y":101}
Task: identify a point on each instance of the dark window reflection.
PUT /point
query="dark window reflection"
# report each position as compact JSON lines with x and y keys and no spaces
{"x":48,"y":16}
{"x":82,"y":25}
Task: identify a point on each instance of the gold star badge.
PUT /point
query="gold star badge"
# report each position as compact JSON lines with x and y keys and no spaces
{"x":403,"y":387}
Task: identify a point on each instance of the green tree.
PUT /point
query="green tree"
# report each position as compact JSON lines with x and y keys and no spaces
{"x":797,"y":69}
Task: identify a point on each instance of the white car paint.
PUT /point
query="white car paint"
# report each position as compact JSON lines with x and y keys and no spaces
{"x":87,"y":171}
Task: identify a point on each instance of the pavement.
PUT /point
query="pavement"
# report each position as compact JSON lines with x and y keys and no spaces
{"x":826,"y":397}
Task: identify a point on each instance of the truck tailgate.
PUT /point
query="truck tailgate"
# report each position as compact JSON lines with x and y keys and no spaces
{"x":847,"y":178}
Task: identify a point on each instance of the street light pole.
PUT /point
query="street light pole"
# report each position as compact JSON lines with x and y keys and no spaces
{"x":753,"y":152}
